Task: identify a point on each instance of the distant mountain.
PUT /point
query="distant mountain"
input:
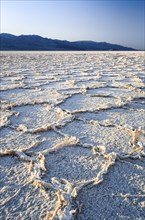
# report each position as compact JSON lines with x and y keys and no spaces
{"x":38,"y":43}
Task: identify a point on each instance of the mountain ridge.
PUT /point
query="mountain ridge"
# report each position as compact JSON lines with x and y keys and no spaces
{"x":38,"y":43}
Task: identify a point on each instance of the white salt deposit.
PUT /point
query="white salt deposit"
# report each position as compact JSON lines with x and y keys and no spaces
{"x":66,"y":119}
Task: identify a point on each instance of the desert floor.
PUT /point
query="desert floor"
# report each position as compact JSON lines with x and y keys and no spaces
{"x":72,"y":136}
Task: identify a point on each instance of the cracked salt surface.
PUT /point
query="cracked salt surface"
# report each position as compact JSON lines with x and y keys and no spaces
{"x":66,"y":118}
{"x":81,"y":103}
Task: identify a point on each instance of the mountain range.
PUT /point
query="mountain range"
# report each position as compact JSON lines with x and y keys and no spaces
{"x":11,"y":42}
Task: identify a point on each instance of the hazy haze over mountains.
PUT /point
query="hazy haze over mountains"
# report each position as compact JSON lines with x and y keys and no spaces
{"x":36,"y":43}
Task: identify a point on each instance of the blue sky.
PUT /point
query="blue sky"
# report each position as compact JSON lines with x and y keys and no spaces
{"x":120,"y":22}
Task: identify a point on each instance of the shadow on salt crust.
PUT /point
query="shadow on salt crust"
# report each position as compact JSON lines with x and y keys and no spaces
{"x":120,"y":196}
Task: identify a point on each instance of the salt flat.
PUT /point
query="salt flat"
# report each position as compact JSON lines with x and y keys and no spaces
{"x":72,"y":135}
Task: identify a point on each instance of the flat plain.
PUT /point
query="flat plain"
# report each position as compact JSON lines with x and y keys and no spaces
{"x":72,"y":135}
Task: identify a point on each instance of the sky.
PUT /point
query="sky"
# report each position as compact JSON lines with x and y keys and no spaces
{"x":113,"y":21}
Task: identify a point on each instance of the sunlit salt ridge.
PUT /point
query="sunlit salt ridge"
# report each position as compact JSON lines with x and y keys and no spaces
{"x":66,"y":119}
